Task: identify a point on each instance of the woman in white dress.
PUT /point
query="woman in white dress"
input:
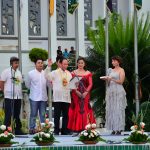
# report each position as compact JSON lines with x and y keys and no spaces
{"x":115,"y":97}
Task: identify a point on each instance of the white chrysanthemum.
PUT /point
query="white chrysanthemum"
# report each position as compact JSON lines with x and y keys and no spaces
{"x":36,"y":134}
{"x":2,"y":134}
{"x":132,"y":128}
{"x":42,"y":124}
{"x":40,"y":139}
{"x":85,"y":134}
{"x":97,"y":132}
{"x":3,"y":127}
{"x":92,"y":135}
{"x":140,"y":132}
{"x":89,"y":136}
{"x":88,"y":126}
{"x":5,"y":135}
{"x":142,"y":124}
{"x":41,"y":133}
{"x":47,"y":135}
{"x":132,"y":131}
{"x":82,"y":133}
{"x":93,"y":125}
{"x":51,"y":123}
{"x":94,"y":132}
{"x":145,"y":133}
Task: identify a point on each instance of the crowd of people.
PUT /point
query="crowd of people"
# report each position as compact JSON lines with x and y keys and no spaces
{"x":65,"y":53}
{"x":73,"y":104}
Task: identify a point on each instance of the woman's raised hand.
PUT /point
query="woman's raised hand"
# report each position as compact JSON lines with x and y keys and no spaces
{"x":50,"y":62}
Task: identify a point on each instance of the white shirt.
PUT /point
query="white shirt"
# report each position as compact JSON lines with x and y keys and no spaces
{"x":36,"y":82}
{"x":12,"y":83}
{"x":60,"y":93}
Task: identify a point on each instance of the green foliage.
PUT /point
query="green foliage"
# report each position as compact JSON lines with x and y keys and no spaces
{"x":24,"y":125}
{"x":145,"y":107}
{"x":136,"y":138}
{"x":121,"y":42}
{"x":37,"y":53}
{"x":1,"y":94}
{"x":138,"y":119}
{"x":1,"y":116}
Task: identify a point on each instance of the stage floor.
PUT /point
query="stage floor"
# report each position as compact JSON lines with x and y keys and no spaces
{"x":70,"y":143}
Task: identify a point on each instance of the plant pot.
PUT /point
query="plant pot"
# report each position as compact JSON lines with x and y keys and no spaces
{"x":139,"y":142}
{"x":89,"y":142}
{"x":41,"y":143}
{"x":6,"y":145}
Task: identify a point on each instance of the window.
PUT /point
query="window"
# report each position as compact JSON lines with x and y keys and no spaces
{"x":34,"y":17}
{"x":61,"y":17}
{"x":87,"y":14}
{"x":114,"y":6}
{"x":7,"y":17}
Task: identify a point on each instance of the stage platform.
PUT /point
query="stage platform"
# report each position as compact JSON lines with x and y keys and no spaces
{"x":70,"y":143}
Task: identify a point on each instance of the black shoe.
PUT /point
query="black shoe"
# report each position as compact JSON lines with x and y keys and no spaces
{"x":56,"y":133}
{"x":118,"y":133}
{"x":19,"y":132}
{"x":113,"y":133}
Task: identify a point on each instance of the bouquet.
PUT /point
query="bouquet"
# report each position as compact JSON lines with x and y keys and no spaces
{"x":138,"y":135}
{"x":6,"y":135}
{"x":44,"y":135}
{"x":90,"y":135}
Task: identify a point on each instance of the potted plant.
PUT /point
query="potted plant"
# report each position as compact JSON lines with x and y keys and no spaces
{"x":44,"y":135}
{"x":90,"y":135}
{"x":6,"y":136}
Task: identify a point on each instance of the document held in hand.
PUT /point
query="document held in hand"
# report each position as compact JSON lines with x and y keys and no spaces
{"x":74,"y":82}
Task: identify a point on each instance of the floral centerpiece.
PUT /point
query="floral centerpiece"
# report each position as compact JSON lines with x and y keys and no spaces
{"x":90,"y":135}
{"x":44,"y":135}
{"x":138,"y":136}
{"x":6,"y":136}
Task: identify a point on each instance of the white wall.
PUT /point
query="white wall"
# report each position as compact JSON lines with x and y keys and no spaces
{"x":123,"y":8}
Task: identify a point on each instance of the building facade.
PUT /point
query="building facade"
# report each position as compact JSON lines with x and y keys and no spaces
{"x":64,"y":29}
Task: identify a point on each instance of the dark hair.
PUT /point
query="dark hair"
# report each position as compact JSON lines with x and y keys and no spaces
{"x":13,"y":59}
{"x":58,"y":58}
{"x":118,"y":58}
{"x":59,"y":47}
{"x":82,"y":58}
{"x":37,"y":60}
{"x":61,"y":59}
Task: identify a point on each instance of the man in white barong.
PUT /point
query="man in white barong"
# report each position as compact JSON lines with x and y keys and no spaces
{"x":60,"y":79}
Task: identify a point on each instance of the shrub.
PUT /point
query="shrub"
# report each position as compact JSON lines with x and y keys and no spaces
{"x":37,"y":53}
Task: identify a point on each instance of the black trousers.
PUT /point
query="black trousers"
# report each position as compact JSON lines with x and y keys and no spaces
{"x":61,"y":107}
{"x":8,"y":109}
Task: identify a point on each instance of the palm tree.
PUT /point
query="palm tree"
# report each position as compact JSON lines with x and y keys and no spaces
{"x":121,"y":42}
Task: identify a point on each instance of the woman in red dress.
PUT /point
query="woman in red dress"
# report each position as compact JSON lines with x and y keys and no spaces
{"x":80,"y":109}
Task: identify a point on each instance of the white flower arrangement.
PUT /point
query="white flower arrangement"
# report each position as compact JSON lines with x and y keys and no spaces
{"x":90,"y":134}
{"x":6,"y":135}
{"x":45,"y":132}
{"x":138,"y":135}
